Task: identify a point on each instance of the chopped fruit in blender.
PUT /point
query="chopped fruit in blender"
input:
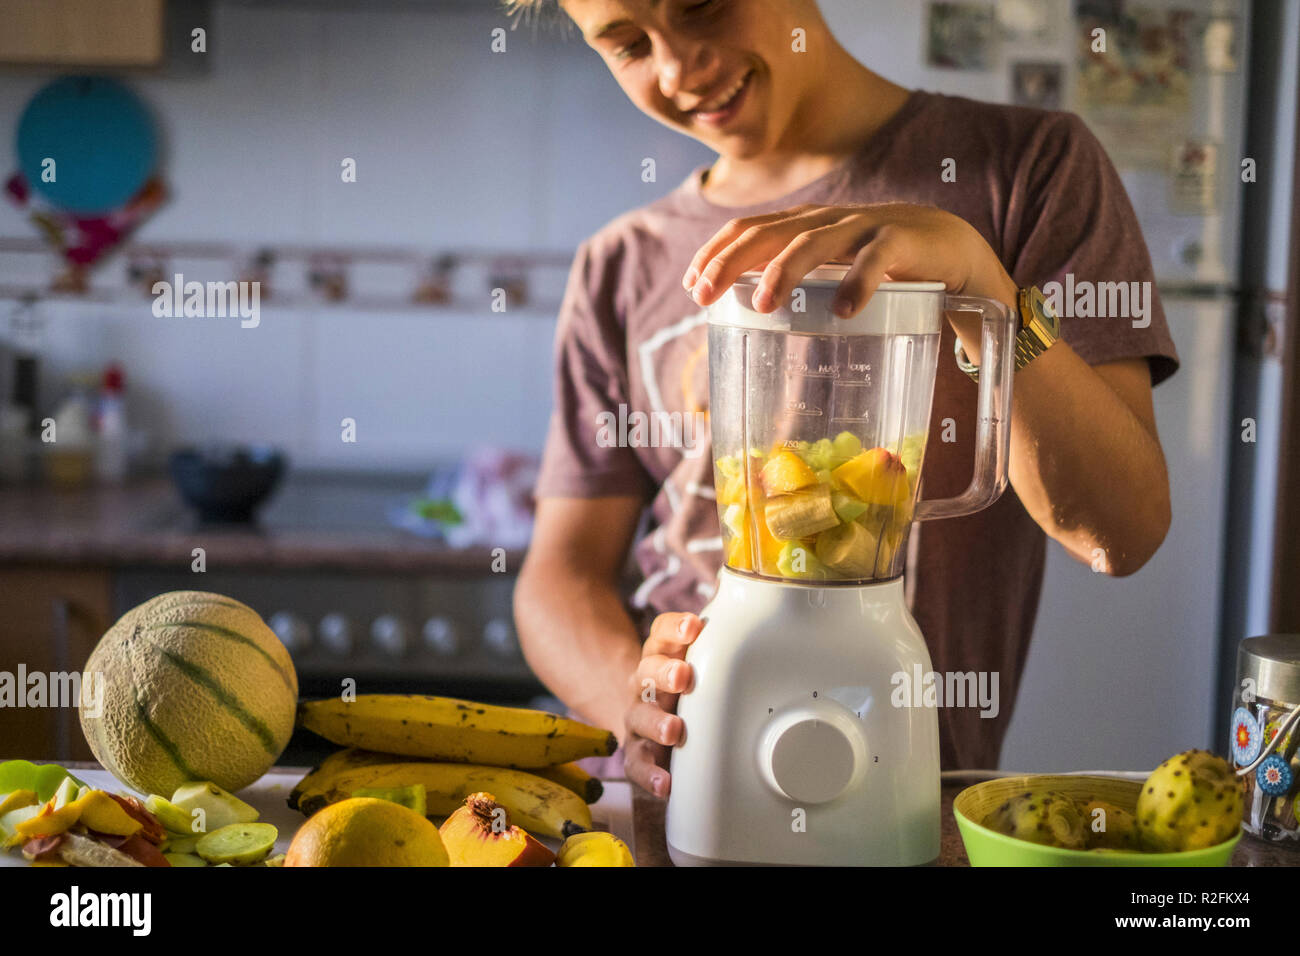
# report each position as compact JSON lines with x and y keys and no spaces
{"x":786,"y":472}
{"x":734,"y":519}
{"x":798,"y":561}
{"x":876,"y":476}
{"x":849,"y":549}
{"x":910,"y":454}
{"x":819,"y":455}
{"x":845,"y":445}
{"x":731,"y":490}
{"x":801,"y":514}
{"x":888,"y":551}
{"x":847,"y":507}
{"x":739,"y":555}
{"x":769,"y":548}
{"x":729,"y":466}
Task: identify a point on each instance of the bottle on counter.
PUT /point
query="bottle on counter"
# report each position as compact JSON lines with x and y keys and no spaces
{"x":18,"y":422}
{"x":70,"y":457}
{"x":110,"y":428}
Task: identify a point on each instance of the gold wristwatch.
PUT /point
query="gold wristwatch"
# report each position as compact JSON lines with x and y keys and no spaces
{"x":1039,"y":329}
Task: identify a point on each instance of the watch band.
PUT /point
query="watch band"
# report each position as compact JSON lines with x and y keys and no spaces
{"x":1039,"y":330}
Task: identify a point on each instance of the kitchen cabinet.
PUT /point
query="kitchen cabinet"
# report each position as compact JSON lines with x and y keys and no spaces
{"x":50,"y":621}
{"x":83,"y":32}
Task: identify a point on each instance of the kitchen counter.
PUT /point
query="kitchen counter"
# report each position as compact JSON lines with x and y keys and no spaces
{"x":311,"y":523}
{"x":652,"y":849}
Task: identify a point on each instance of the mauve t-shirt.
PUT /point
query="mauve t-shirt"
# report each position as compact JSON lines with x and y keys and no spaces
{"x":1040,"y":189}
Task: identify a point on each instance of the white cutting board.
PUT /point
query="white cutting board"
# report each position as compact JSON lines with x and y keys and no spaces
{"x":613,"y":812}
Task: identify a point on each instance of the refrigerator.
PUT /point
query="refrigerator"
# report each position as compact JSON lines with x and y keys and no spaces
{"x":1122,"y":673}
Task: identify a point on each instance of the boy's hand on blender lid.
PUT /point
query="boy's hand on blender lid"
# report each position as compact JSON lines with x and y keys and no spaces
{"x":897,"y":241}
{"x":662,"y":675}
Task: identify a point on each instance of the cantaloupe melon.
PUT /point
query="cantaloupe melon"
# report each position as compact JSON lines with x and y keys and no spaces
{"x":195,"y":687}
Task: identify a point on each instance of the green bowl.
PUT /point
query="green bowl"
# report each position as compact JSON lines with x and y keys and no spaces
{"x":988,"y":848}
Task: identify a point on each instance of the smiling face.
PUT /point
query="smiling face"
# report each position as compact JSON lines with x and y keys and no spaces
{"x":721,"y":71}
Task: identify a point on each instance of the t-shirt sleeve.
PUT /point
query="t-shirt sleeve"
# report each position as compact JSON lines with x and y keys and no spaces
{"x":591,"y":383}
{"x":1070,"y":222}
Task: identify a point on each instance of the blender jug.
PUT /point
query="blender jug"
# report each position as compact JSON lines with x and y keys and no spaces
{"x":796,"y":748}
{"x":819,"y":426}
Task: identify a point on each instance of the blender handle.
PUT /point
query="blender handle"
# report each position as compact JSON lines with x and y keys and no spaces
{"x":993,"y":422}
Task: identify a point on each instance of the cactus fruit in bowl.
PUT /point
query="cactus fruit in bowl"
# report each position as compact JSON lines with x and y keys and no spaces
{"x":1191,"y":801}
{"x":1108,"y":827}
{"x":999,"y":819}
{"x":1047,"y":817}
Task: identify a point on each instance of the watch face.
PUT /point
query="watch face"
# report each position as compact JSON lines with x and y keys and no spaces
{"x":1040,"y":311}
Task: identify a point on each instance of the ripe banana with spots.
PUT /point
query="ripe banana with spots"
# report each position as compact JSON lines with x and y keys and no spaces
{"x":538,"y":805}
{"x":446,"y":729}
{"x":575,"y":778}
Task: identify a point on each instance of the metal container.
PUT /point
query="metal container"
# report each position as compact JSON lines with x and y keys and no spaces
{"x":1264,"y":734}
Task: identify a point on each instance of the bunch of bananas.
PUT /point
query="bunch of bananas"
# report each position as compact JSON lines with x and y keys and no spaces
{"x":454,"y":748}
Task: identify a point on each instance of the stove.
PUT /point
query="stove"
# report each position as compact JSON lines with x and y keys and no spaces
{"x":353,"y":598}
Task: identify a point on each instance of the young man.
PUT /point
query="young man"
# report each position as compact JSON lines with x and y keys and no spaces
{"x":820,"y":159}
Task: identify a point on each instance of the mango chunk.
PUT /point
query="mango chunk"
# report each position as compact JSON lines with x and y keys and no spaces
{"x":876,"y":477}
{"x":786,"y":472}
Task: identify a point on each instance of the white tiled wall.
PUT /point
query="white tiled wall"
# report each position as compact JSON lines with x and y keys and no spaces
{"x":456,"y":147}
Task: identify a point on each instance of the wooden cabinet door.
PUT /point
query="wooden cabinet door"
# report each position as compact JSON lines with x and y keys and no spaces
{"x":50,"y":621}
{"x":82,"y":32}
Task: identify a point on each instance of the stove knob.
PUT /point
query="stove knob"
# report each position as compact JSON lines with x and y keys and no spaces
{"x":291,"y":630}
{"x":499,"y":637}
{"x":336,"y":634}
{"x":811,"y":754}
{"x":440,"y":636}
{"x":389,"y":634}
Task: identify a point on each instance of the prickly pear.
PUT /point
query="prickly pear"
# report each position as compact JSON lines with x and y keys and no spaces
{"x":1191,"y":801}
{"x":1048,"y":817}
{"x":1106,"y":826}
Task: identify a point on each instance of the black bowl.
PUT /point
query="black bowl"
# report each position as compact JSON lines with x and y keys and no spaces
{"x":226,"y":483}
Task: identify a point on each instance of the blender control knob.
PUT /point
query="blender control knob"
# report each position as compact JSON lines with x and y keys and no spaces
{"x":810,"y":754}
{"x":292,"y":631}
{"x":440,"y":636}
{"x":336,"y":634}
{"x":389,"y":634}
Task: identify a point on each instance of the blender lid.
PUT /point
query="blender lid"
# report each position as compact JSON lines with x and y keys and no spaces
{"x":1273,"y":662}
{"x":832,"y":274}
{"x":895,"y":307}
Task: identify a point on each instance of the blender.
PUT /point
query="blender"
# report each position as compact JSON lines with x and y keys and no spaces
{"x":798,"y":749}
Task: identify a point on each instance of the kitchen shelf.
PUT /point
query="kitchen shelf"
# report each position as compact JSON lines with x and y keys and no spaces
{"x":461,"y":306}
{"x":295,"y":291}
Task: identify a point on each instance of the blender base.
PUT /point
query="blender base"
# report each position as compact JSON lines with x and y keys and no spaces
{"x":799,"y":749}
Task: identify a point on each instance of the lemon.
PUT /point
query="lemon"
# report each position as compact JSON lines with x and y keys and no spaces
{"x":365,"y":831}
